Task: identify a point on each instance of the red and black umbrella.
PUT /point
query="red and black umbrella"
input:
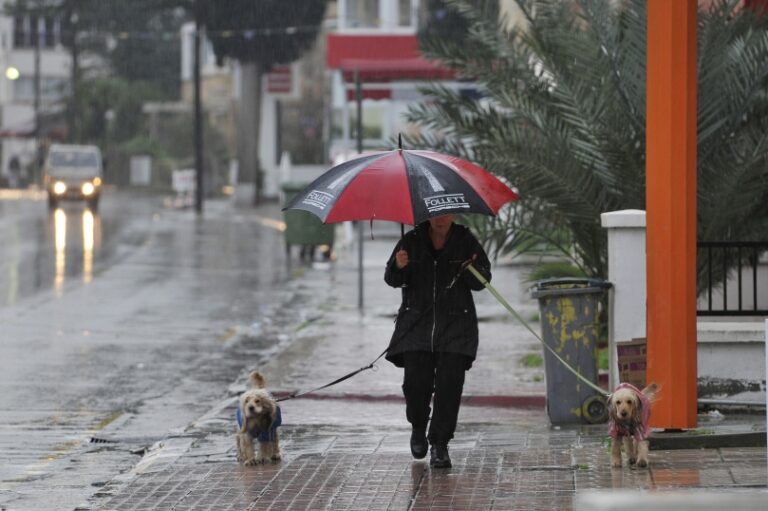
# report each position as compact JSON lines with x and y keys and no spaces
{"x":405,"y":186}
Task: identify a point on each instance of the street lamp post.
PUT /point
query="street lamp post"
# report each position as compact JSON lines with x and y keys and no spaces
{"x":199,"y":181}
{"x":74,"y":135}
{"x":38,"y":153}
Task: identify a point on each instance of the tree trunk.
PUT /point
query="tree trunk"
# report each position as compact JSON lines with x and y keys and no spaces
{"x":248,"y":133}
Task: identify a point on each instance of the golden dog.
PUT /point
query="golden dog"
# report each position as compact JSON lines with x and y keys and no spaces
{"x":629,"y":410}
{"x":258,"y":417}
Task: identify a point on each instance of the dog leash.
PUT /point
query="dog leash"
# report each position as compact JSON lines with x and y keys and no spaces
{"x":499,"y":298}
{"x":372,"y":365}
{"x":517,"y":316}
{"x":296,"y":394}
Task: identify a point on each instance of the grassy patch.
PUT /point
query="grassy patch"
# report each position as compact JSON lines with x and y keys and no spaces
{"x":602,"y":359}
{"x":532,"y":360}
{"x":557,"y":269}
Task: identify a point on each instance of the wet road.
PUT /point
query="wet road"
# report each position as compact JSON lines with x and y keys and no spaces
{"x":120,"y":325}
{"x":46,"y":250}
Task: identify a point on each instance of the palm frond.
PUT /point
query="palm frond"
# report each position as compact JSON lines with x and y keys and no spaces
{"x":562,"y":118}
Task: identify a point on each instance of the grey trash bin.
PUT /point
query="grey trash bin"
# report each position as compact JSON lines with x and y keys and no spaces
{"x":569,"y":325}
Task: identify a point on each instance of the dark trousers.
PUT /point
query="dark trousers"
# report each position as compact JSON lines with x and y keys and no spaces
{"x":442,"y":374}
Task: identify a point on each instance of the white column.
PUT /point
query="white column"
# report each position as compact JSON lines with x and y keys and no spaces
{"x":388,"y":14}
{"x":626,"y":270}
{"x":268,"y":143}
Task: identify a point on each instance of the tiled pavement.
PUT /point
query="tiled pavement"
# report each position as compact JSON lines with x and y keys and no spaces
{"x":495,"y":467}
{"x":349,"y":451}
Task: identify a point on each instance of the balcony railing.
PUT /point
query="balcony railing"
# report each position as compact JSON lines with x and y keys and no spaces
{"x":728,"y":275}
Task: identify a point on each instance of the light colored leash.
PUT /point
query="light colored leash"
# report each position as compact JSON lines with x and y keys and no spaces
{"x":517,"y":316}
{"x":501,"y":300}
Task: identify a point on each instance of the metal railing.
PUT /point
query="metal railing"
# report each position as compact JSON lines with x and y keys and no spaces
{"x":716,"y":270}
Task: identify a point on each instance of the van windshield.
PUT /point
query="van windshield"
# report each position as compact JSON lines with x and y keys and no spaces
{"x":74,"y":159}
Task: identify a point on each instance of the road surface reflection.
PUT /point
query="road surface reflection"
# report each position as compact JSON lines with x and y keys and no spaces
{"x":67,"y":225}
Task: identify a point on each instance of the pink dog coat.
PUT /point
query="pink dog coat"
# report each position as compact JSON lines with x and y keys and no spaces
{"x":640,"y":431}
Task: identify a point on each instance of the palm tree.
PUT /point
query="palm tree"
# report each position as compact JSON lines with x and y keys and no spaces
{"x":562,"y":117}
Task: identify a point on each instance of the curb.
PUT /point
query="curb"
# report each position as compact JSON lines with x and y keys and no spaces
{"x":674,"y":441}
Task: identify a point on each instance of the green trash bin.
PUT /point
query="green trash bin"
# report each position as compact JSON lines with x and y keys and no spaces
{"x":569,"y":325}
{"x":303,"y":228}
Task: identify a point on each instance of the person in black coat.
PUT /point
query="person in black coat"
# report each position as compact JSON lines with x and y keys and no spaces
{"x":436,"y":334}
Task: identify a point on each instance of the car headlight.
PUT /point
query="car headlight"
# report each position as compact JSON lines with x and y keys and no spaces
{"x":59,"y":188}
{"x":87,"y":188}
{"x":97,"y":181}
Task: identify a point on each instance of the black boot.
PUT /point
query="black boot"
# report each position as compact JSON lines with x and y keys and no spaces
{"x":438,"y":456}
{"x":419,"y":443}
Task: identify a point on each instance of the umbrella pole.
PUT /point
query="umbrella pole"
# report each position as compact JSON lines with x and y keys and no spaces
{"x":402,"y":230}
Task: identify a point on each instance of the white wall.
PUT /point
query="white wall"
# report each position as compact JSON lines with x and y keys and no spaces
{"x":626,"y":270}
{"x":55,"y":63}
{"x":731,"y":352}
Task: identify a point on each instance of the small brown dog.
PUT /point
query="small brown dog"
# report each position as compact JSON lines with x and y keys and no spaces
{"x":258,"y":417}
{"x":629,"y":410}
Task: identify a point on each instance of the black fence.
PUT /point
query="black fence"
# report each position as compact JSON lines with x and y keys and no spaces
{"x":729,"y":280}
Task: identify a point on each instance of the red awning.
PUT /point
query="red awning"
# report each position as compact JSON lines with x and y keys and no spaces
{"x":379,"y":59}
{"x":413,"y":69}
{"x":21,"y":130}
{"x":384,"y":93}
{"x":386,"y":47}
{"x":52,"y":125}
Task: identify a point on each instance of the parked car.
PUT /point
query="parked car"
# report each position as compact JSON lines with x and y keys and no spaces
{"x":73,"y":172}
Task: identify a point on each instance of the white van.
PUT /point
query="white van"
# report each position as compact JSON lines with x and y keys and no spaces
{"x":73,"y":172}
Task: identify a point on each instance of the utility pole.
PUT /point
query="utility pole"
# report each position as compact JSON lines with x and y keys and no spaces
{"x":198,"y":142}
{"x":74,"y":135}
{"x":360,"y":225}
{"x":38,"y":132}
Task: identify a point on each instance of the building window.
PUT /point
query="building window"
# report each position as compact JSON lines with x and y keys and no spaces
{"x":378,"y":15}
{"x":49,"y":35}
{"x":25,"y":28}
{"x":362,"y":14}
{"x":51,"y":89}
{"x":21,"y":32}
{"x":405,"y":13}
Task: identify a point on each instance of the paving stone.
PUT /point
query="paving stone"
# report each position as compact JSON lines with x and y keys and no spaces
{"x":349,"y":452}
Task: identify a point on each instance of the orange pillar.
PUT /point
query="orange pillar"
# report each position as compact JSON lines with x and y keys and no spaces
{"x":671,"y":210}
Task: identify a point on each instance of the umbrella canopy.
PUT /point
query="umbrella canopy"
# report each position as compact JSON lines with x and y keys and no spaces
{"x":402,"y":186}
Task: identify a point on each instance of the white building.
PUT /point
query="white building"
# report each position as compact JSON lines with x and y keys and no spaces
{"x":376,"y":40}
{"x":17,"y":84}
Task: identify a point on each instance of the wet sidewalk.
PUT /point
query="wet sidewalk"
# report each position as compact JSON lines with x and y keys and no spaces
{"x":346,"y":448}
{"x":502,"y":460}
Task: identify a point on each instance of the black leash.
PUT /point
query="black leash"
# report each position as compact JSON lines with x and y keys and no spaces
{"x":372,"y":365}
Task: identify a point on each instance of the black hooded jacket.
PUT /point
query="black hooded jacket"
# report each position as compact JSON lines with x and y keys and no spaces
{"x":435,"y":315}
